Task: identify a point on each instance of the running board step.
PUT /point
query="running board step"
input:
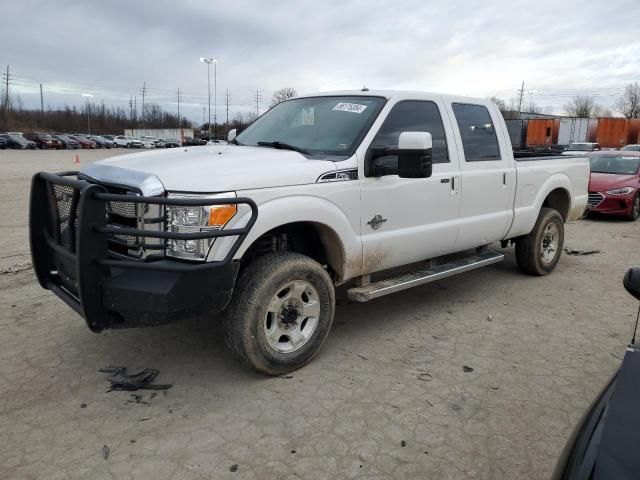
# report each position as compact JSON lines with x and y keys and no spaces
{"x":403,"y":282}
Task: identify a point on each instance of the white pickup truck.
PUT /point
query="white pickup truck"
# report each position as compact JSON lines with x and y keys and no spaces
{"x":324,"y":190}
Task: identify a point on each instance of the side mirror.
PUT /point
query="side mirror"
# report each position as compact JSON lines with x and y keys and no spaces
{"x":232,"y":135}
{"x":632,"y":282}
{"x":414,"y":157}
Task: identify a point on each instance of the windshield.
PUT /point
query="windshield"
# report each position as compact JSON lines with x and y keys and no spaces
{"x":616,"y":164}
{"x":631,"y":148}
{"x":317,"y":125}
{"x":581,"y":147}
{"x":18,"y":138}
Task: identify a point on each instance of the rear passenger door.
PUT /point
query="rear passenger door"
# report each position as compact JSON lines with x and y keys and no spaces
{"x":488,"y":176}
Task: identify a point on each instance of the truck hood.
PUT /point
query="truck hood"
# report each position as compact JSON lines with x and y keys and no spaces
{"x":601,"y":182}
{"x":213,"y":168}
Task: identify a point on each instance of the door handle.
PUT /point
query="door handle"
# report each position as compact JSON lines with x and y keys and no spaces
{"x":445,"y":180}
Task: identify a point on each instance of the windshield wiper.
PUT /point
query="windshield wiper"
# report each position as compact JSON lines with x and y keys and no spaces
{"x":283,"y":146}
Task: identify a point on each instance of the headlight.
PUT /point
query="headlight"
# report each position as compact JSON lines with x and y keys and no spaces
{"x":621,"y":191}
{"x":197,"y":219}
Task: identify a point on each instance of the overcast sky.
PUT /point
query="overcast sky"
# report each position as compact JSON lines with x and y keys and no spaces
{"x":559,"y":48}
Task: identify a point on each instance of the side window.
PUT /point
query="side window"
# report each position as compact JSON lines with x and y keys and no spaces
{"x":478,"y":133}
{"x":413,"y":116}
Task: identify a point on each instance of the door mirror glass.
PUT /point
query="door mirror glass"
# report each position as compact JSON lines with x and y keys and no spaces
{"x":414,"y":156}
{"x":632,"y":282}
{"x":232,"y":135}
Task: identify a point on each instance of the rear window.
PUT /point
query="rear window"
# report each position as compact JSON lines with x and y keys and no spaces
{"x":479,"y":140}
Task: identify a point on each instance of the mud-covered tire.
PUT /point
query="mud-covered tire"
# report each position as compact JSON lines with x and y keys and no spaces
{"x":248,"y":319}
{"x":533,"y":251}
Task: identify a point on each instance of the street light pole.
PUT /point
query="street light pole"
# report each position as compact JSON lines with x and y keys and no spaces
{"x":215,"y":98}
{"x":209,"y":61}
{"x":87,"y":96}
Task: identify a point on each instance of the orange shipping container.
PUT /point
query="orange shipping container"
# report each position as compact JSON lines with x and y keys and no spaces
{"x":542,"y":131}
{"x":617,"y":132}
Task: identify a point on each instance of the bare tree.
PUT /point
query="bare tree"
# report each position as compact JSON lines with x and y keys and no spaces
{"x":282,"y":95}
{"x":582,"y":107}
{"x":629,"y":104}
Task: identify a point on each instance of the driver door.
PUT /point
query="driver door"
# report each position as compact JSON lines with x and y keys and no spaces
{"x":405,"y":220}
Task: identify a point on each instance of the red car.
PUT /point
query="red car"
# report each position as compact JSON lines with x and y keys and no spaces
{"x":614,"y":186}
{"x":84,"y":142}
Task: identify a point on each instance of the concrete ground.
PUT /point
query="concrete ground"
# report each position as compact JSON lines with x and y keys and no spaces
{"x":478,"y":376}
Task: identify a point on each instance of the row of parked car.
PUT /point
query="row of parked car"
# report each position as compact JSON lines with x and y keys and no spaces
{"x":59,"y":141}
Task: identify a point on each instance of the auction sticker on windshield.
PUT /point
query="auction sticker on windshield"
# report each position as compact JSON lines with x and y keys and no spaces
{"x":350,"y":107}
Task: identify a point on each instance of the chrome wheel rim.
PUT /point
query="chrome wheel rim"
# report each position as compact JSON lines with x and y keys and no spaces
{"x":549,"y":244}
{"x":292,"y":316}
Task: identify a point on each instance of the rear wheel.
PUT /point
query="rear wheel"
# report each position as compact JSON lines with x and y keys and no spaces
{"x":280,"y":313}
{"x":635,"y":209}
{"x":539,"y":252}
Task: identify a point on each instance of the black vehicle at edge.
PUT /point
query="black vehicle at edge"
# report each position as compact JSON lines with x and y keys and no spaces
{"x":606,"y":443}
{"x":18,"y":142}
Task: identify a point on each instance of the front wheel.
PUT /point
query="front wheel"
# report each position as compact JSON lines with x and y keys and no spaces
{"x":280,"y":313}
{"x":539,"y":252}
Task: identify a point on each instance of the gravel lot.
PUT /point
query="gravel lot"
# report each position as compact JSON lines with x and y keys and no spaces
{"x":389,"y":396}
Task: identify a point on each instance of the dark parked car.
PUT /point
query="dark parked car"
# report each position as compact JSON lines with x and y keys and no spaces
{"x":614,"y":185}
{"x":3,"y":143}
{"x":67,"y":142}
{"x":171,"y":143}
{"x":18,"y":142}
{"x":101,"y":142}
{"x":43,"y":140}
{"x":606,"y":442}
{"x":193,"y":142}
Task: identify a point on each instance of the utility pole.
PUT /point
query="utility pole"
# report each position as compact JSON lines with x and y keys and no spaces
{"x":520,"y":101}
{"x":41,"y":101}
{"x":178,"y":107}
{"x":227,"y":102}
{"x":135,"y":110}
{"x":204,"y":110}
{"x":144,"y":90}
{"x":7,"y":78}
{"x":130,"y":108}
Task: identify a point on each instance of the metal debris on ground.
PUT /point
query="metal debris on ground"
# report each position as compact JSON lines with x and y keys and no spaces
{"x":575,"y":251}
{"x":467,"y":369}
{"x":105,"y":452}
{"x":120,"y":381}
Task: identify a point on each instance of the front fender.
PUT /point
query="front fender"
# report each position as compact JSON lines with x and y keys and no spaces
{"x":298,"y":208}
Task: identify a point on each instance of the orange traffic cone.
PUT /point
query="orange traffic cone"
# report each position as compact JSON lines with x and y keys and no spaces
{"x":77,"y":158}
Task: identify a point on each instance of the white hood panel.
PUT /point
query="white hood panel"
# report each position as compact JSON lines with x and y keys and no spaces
{"x":221,"y":168}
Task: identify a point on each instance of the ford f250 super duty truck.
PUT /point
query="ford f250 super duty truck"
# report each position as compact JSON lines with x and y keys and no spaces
{"x":380,"y":191}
